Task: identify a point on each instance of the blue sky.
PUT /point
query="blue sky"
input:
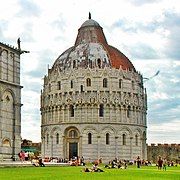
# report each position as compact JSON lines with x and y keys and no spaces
{"x":146,"y":31}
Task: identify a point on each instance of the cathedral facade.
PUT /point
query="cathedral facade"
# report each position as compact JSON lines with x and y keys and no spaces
{"x":10,"y":102}
{"x":93,"y":103}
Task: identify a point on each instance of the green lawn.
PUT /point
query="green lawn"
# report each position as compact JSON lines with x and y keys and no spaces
{"x":74,"y":173}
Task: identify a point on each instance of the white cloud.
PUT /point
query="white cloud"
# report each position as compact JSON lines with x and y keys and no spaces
{"x":161,"y":133}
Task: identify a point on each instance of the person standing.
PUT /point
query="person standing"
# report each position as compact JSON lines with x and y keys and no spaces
{"x":160,"y":163}
{"x":22,"y":156}
{"x":138,"y":162}
{"x":164,"y":164}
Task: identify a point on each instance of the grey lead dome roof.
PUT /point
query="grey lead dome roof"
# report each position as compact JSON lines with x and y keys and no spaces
{"x":90,"y":22}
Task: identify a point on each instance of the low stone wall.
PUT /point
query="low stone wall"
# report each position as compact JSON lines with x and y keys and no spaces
{"x":168,"y":151}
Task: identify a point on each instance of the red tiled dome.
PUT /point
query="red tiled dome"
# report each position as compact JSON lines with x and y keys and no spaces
{"x":90,"y":45}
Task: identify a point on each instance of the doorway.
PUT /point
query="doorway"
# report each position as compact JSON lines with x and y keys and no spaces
{"x":73,"y":150}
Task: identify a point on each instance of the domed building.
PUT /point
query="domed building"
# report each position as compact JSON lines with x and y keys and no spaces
{"x":93,"y":103}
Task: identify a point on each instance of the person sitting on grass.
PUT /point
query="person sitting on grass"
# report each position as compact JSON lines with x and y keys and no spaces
{"x":95,"y":168}
{"x":107,"y":166}
{"x":86,"y":169}
{"x":41,"y":164}
{"x":38,"y":162}
{"x":35,"y":162}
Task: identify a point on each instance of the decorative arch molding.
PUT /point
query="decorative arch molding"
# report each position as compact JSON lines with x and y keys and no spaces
{"x":109,"y":129}
{"x":6,"y":142}
{"x":69,"y":128}
{"x":105,"y":72}
{"x":72,"y":75}
{"x":4,"y":54}
{"x":88,"y":129}
{"x":125,"y":129}
{"x":55,"y":130}
{"x":138,"y":131}
{"x":45,"y":131}
{"x":8,"y":90}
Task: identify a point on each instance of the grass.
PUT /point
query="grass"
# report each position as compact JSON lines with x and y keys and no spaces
{"x":74,"y":173}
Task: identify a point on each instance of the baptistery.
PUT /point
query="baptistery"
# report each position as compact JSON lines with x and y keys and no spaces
{"x":93,"y":102}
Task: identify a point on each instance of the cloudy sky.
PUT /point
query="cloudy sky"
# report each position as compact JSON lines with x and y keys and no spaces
{"x":146,"y":31}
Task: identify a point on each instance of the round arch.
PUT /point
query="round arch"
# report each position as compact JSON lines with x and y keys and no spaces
{"x":71,"y":145}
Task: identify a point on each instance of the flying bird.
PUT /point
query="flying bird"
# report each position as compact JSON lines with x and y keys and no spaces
{"x":147,"y":79}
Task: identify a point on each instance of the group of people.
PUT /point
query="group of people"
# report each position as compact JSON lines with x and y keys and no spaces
{"x":120,"y":164}
{"x":25,"y":156}
{"x":161,"y":163}
{"x":77,"y":161}
{"x":38,"y":162}
{"x":95,"y":168}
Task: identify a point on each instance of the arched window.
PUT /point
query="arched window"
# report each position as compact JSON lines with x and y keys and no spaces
{"x":59,"y":85}
{"x":71,"y":109}
{"x":88,"y":82}
{"x":82,"y":88}
{"x":57,"y":138}
{"x":133,"y":85}
{"x":71,"y":83}
{"x":105,"y":82}
{"x":136,"y":140}
{"x":107,"y":138}
{"x":49,"y":87}
{"x":99,"y":63}
{"x":101,"y":110}
{"x":128,"y":111}
{"x":89,"y":138}
{"x":5,"y":61}
{"x":90,"y":64}
{"x":120,"y":83}
{"x":124,"y":139}
{"x":105,"y":60}
{"x":74,"y":64}
{"x":47,"y":138}
{"x":73,"y":134}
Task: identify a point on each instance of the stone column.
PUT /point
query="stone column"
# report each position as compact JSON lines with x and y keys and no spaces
{"x":142,"y":150}
{"x":80,"y":146}
{"x":131,"y":147}
{"x":120,"y":110}
{"x":110,"y":111}
{"x":68,"y":113}
{"x":75,"y":112}
{"x":116,"y":147}
{"x":64,"y":153}
{"x":98,"y":146}
{"x":16,"y":144}
{"x":57,"y":113}
{"x":63,"y":109}
{"x":92,"y":107}
{"x":51,"y":146}
{"x":51,"y":114}
{"x":43,"y":146}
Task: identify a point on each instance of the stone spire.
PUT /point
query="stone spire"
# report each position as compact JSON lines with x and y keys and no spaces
{"x":89,"y":15}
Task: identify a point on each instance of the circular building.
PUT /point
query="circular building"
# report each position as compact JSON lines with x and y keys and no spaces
{"x":93,"y":103}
